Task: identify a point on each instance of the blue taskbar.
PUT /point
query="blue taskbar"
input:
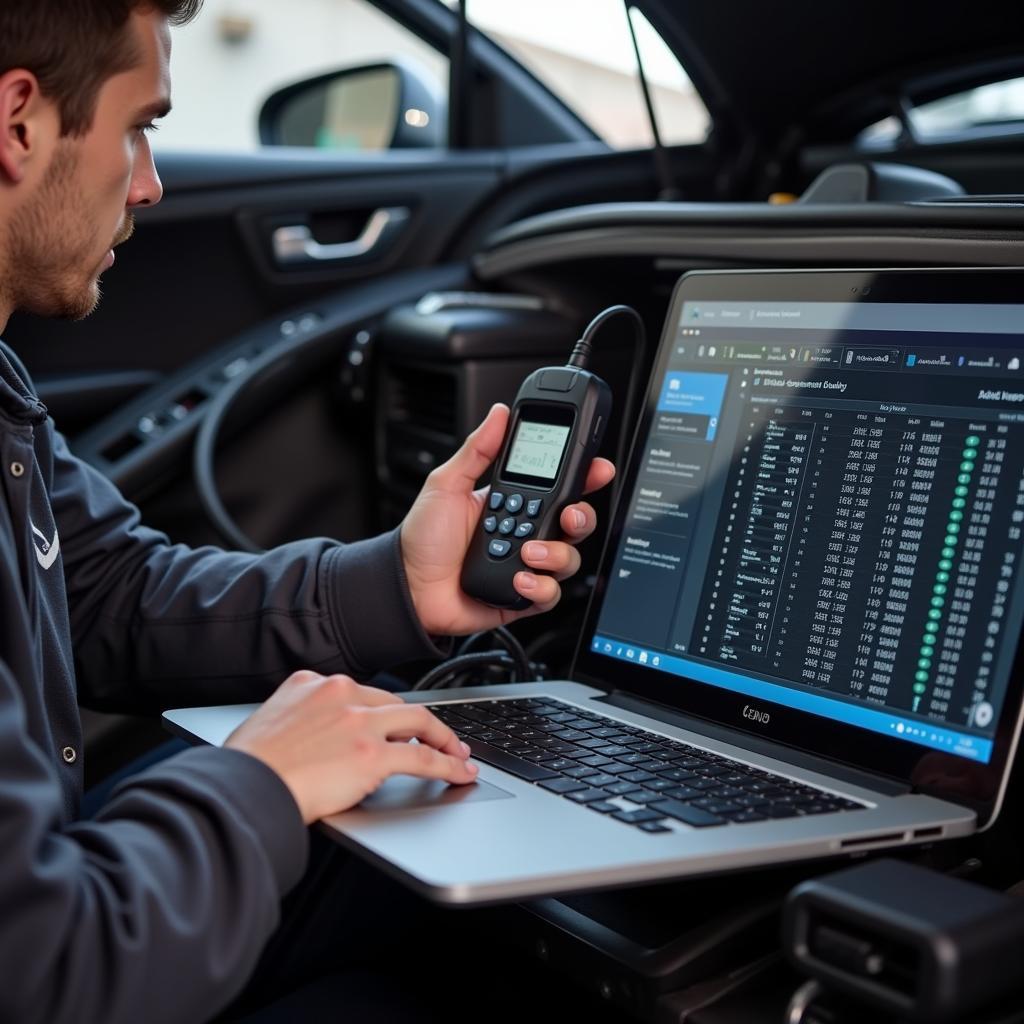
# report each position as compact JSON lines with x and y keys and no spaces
{"x":914,"y":730}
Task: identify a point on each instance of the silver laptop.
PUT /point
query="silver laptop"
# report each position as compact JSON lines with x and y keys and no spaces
{"x":803,"y":641}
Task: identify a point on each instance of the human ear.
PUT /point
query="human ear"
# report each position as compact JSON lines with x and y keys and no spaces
{"x":25,"y":118}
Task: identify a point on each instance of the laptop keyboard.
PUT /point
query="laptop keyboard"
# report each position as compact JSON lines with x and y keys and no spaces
{"x":627,"y":773}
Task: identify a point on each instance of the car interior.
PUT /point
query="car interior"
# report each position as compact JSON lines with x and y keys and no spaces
{"x":296,"y":336}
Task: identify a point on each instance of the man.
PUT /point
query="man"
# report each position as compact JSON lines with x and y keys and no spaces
{"x":160,"y":906}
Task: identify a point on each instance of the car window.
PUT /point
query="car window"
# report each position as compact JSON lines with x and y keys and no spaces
{"x":584,"y":55}
{"x":993,"y":109}
{"x":233,"y":55}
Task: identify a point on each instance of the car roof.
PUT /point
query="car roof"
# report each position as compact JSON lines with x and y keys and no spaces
{"x":766,"y":66}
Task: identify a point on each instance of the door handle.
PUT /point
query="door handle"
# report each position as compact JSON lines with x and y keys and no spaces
{"x":296,"y":245}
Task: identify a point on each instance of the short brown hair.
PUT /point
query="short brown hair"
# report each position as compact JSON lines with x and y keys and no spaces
{"x":74,"y":46}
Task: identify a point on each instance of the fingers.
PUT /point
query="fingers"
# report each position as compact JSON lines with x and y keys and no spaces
{"x":344,"y":689}
{"x":413,"y":721}
{"x":543,"y":591}
{"x":556,"y":557}
{"x":461,"y":472}
{"x":600,"y":474}
{"x":578,"y":521}
{"x":427,"y":763}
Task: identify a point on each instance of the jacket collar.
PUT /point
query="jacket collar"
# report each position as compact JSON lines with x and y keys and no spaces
{"x":16,"y":400}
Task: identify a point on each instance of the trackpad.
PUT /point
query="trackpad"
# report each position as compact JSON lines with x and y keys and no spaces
{"x":404,"y":792}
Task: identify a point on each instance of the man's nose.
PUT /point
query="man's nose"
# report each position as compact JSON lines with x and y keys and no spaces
{"x":146,"y":188}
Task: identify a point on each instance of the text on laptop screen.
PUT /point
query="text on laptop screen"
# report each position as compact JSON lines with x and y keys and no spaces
{"x":828,"y":514}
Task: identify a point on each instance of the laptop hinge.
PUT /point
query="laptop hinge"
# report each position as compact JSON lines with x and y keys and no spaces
{"x":881,"y":784}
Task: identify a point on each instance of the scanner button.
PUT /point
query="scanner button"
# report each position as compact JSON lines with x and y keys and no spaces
{"x":497,"y":499}
{"x":524,"y":529}
{"x":491,"y":524}
{"x":560,"y":378}
{"x":514,"y":503}
{"x":499,"y":548}
{"x":533,"y":507}
{"x":507,"y":525}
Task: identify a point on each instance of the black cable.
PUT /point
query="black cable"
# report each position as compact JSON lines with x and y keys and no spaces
{"x":438,"y":677}
{"x":511,"y":644}
{"x":581,"y":355}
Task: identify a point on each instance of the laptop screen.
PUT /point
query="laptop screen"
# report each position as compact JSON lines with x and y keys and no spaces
{"x":827,"y":514}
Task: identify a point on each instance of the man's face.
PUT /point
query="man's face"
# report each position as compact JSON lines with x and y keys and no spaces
{"x":62,"y":237}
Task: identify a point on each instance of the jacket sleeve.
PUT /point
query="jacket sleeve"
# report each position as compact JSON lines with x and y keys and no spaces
{"x":164,"y":902}
{"x":155,"y":624}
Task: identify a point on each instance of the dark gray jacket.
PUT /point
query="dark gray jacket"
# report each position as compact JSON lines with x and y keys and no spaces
{"x":158,"y":909}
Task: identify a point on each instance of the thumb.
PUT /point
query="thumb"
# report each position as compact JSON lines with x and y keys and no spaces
{"x":478,"y":451}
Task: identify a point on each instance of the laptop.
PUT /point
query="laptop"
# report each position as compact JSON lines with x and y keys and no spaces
{"x":804,"y":637}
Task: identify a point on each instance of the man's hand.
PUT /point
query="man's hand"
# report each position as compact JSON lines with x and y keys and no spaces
{"x":437,"y":531}
{"x":334,"y":742}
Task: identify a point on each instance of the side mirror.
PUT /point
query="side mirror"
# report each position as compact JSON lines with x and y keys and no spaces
{"x":371,"y":107}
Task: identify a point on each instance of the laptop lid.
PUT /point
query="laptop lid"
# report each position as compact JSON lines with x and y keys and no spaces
{"x":820,"y":532}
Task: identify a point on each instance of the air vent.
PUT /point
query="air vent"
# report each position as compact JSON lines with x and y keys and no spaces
{"x":422,"y":399}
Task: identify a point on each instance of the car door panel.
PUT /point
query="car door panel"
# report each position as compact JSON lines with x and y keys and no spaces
{"x":200,"y":268}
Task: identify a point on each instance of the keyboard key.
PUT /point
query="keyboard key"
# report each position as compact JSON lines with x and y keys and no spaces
{"x":564,"y":785}
{"x":592,"y":741}
{"x":653,"y":826}
{"x":638,"y":776}
{"x":638,"y":816}
{"x":607,"y":733}
{"x":498,"y":548}
{"x":677,"y":775}
{"x":617,"y":768}
{"x":533,"y":507}
{"x":602,"y":807}
{"x":721,"y":807}
{"x":660,"y":784}
{"x":685,"y":813}
{"x":743,"y":817}
{"x":570,"y":735}
{"x":778,"y":810}
{"x":508,"y":763}
{"x":586,"y":796}
{"x":702,"y":783}
{"x":513,"y":503}
{"x":495,"y":501}
{"x":633,"y":758}
{"x":682,"y":793}
{"x":559,"y":764}
{"x":597,"y":761}
{"x":601,"y":779}
{"x":581,"y":772}
{"x":621,"y":788}
{"x":612,"y":750}
{"x":642,"y":796}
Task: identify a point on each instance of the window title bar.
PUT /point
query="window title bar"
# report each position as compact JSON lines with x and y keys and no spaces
{"x":951,"y":318}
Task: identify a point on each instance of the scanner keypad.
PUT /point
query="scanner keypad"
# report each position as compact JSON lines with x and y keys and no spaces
{"x":508,"y":525}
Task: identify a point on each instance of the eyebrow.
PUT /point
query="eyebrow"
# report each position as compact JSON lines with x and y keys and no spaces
{"x":160,"y":108}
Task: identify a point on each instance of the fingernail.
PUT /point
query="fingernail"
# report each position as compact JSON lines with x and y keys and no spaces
{"x":527,"y":581}
{"x":465,"y":748}
{"x":579,"y":520}
{"x":536,"y":551}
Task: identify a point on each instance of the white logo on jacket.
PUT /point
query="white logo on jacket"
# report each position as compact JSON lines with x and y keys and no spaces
{"x":46,"y":550}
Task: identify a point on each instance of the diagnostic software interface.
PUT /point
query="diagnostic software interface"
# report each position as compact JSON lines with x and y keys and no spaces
{"x":828,"y":514}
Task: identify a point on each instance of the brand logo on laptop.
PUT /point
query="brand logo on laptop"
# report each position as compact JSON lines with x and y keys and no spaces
{"x":761,"y":717}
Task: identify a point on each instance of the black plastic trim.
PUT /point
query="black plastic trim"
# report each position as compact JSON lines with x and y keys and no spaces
{"x":146,"y":457}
